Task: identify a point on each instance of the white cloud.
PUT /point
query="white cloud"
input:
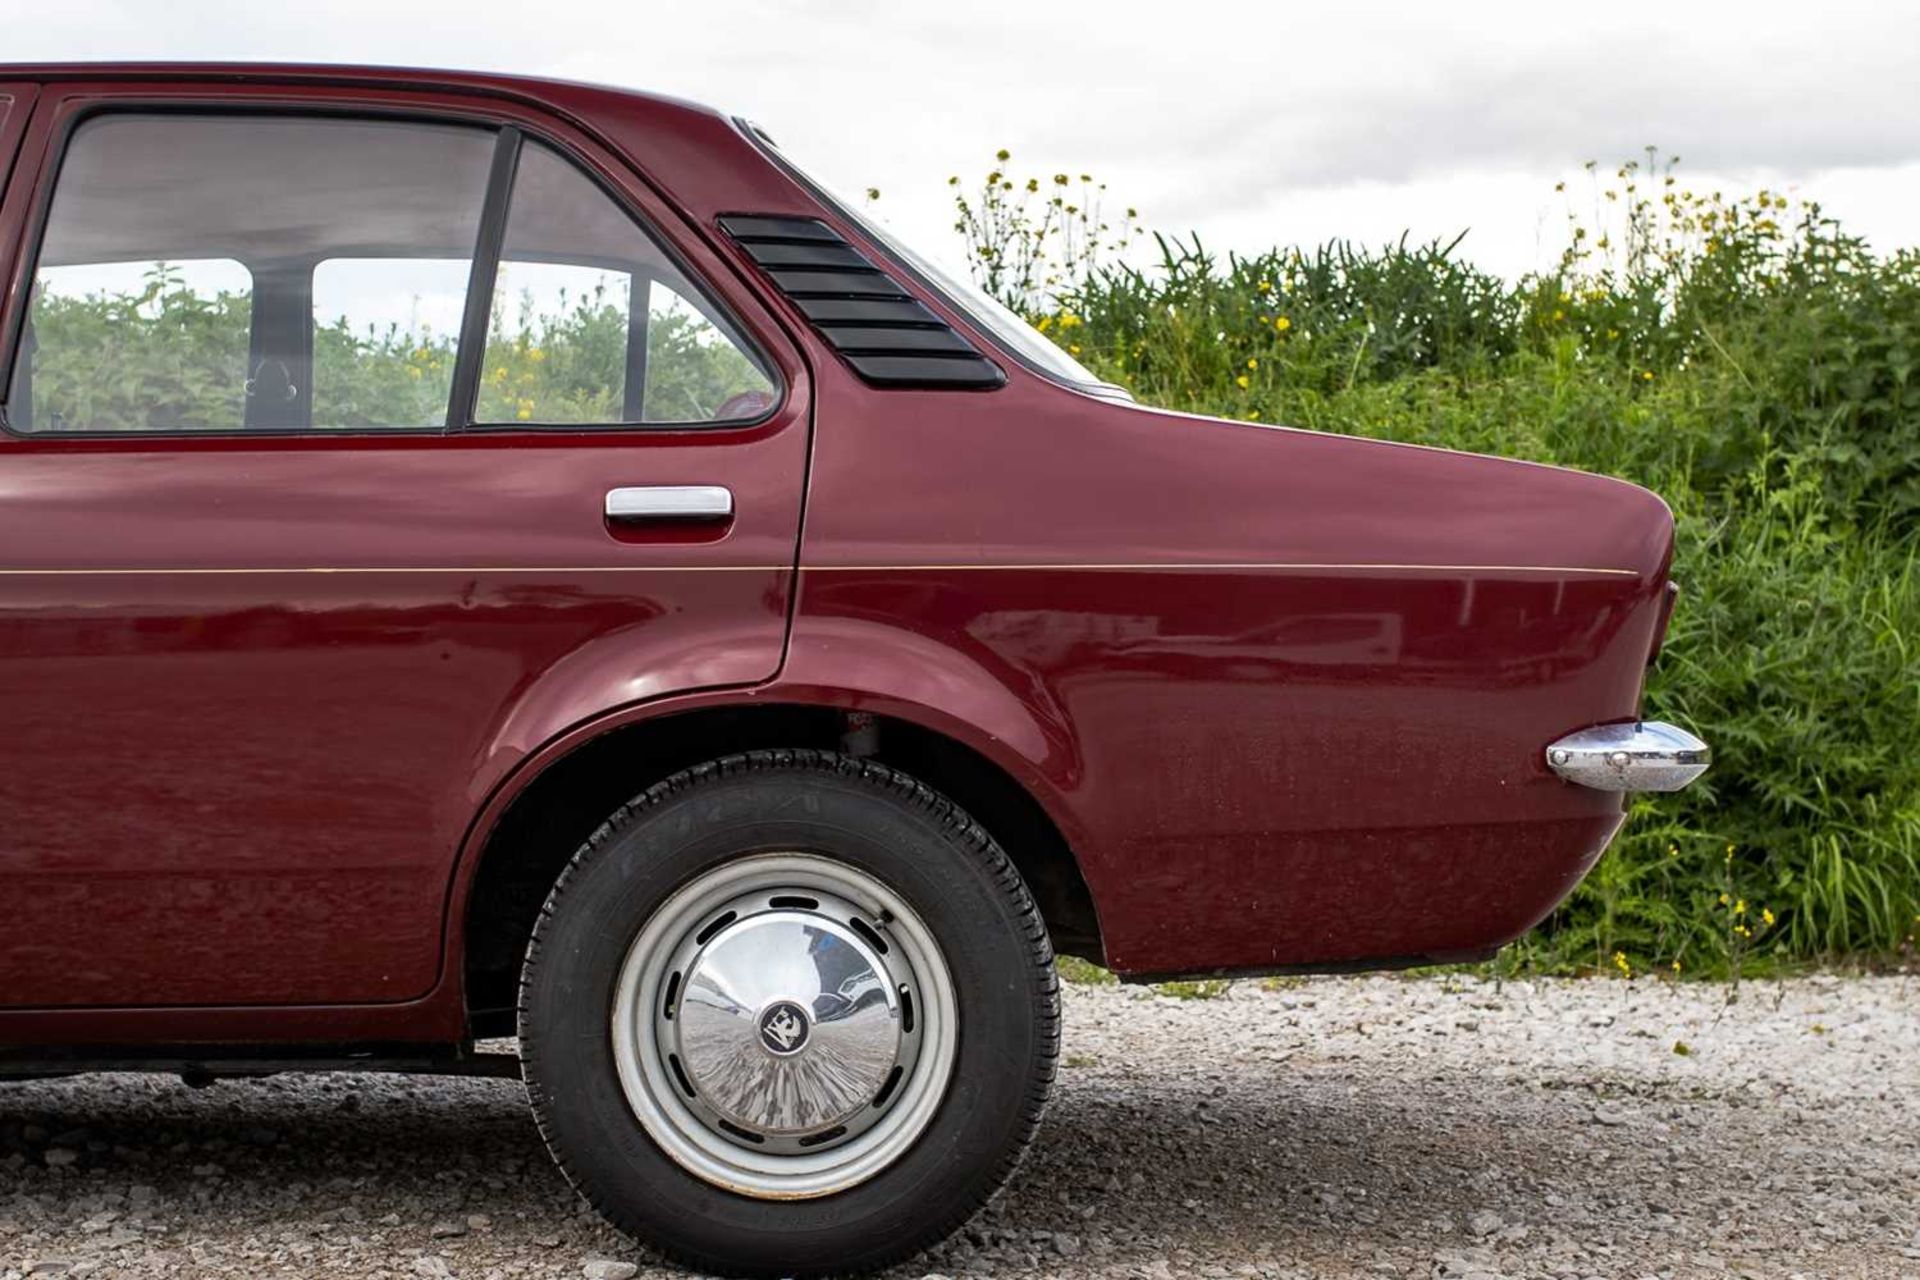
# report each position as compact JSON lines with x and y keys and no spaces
{"x":1252,"y":124}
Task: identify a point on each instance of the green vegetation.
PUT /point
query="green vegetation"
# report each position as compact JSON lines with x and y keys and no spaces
{"x":171,"y":356}
{"x":1074,"y":969}
{"x":1748,"y":360}
{"x":1203,"y":989}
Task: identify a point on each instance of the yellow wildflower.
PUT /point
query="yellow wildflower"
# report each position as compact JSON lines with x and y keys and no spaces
{"x":1767,"y":916}
{"x":1253,"y":362}
{"x":1283,"y":324}
{"x":1242,"y":382}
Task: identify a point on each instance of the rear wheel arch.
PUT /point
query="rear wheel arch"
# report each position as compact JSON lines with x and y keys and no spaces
{"x":556,"y":809}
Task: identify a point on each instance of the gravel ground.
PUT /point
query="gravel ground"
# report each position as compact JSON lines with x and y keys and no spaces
{"x":1333,"y":1127}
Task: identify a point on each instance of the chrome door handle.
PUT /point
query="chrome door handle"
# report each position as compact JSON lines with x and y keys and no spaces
{"x":642,"y":503}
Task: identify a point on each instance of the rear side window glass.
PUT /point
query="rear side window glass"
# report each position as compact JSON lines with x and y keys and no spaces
{"x":130,"y":346}
{"x":386,"y":332}
{"x":592,"y":323}
{"x":694,"y":370}
{"x":222,"y":272}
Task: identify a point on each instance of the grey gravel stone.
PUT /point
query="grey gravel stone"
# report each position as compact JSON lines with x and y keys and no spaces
{"x":607,"y":1269}
{"x":1295,"y":1130}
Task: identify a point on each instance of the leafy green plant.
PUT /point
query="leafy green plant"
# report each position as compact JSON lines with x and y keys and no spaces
{"x":1083,"y":973}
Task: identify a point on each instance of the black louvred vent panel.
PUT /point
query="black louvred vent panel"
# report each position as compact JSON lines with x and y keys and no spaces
{"x":942,"y":341}
{"x":812,"y":255}
{"x":867,"y":311}
{"x":885,"y":335}
{"x":840,"y":284}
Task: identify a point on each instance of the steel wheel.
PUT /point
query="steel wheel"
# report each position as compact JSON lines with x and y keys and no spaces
{"x":784,"y":1026}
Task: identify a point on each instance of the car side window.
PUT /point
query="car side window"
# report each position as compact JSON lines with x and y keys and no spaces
{"x":144,"y":344}
{"x":232,"y":272}
{"x":386,"y":333}
{"x":592,"y":323}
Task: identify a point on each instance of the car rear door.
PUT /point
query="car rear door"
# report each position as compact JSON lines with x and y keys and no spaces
{"x":314,"y":520}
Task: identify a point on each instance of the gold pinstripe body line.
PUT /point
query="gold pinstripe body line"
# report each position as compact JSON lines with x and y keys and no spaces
{"x":1248,"y":566}
{"x":1140,"y":567}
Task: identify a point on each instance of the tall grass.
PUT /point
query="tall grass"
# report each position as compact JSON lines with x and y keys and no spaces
{"x":1749,"y":360}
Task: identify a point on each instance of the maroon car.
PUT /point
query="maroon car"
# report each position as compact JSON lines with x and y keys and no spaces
{"x":486,"y":557}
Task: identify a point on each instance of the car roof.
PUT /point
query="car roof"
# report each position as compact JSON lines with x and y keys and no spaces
{"x":547,"y":91}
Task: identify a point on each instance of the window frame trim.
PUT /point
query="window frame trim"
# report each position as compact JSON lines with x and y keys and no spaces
{"x":483,"y":274}
{"x":47,"y":181}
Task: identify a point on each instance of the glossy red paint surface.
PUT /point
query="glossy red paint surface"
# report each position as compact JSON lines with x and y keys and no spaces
{"x":1284,"y":694}
{"x":1307,"y":732}
{"x":15,"y":101}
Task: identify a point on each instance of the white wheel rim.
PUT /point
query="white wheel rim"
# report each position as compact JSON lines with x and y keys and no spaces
{"x":784,"y":1026}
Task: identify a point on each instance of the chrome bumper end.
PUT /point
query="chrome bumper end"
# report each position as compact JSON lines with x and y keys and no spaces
{"x":1642,"y":756}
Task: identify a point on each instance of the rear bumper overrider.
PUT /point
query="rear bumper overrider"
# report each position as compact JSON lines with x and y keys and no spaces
{"x":1643,"y":755}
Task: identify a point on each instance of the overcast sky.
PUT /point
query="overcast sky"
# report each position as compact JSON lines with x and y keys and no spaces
{"x":1253,"y":124}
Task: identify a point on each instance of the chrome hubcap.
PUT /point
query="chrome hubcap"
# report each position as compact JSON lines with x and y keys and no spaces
{"x":789,"y":1024}
{"x":784,"y":1026}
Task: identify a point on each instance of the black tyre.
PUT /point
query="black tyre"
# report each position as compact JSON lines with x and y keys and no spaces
{"x":789,"y":1013}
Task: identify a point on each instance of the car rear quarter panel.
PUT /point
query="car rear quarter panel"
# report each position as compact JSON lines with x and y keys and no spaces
{"x":1286,"y":692}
